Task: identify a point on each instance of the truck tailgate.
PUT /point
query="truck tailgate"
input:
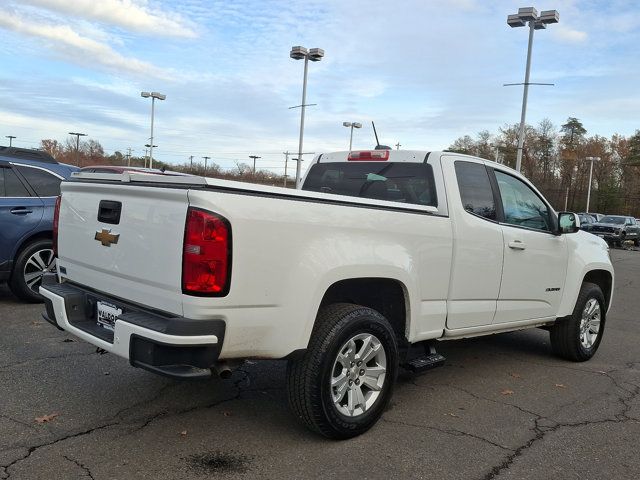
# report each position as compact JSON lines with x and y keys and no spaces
{"x":139,"y":256}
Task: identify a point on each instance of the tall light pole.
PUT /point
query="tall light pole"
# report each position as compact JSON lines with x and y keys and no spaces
{"x":254,"y":157}
{"x":591,"y":159}
{"x":205,"y":165}
{"x":10,"y":137}
{"x":153,"y":96}
{"x":351,"y":125}
{"x":315,"y":55}
{"x":78,"y":135}
{"x":529,"y":15}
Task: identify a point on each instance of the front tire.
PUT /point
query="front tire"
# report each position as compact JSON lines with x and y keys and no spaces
{"x":577,"y":337}
{"x":33,"y":261}
{"x":343,"y":382}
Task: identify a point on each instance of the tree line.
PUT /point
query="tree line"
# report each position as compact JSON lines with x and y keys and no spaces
{"x":91,"y":153}
{"x":555,"y":161}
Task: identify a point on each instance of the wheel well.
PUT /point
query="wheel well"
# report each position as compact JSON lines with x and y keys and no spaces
{"x":385,"y":295}
{"x":36,"y":236}
{"x":603,"y":279}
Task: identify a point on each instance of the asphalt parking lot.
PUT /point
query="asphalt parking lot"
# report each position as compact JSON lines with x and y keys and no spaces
{"x":502,"y":407}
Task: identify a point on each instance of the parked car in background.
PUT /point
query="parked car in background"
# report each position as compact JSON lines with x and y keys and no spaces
{"x":29,"y":185}
{"x":617,"y":229}
{"x":586,"y":221}
{"x":597,"y":216}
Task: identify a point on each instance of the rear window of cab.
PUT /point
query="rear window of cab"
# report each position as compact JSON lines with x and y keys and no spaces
{"x":393,"y":182}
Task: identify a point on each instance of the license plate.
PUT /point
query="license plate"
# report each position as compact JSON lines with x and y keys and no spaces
{"x":107,"y":315}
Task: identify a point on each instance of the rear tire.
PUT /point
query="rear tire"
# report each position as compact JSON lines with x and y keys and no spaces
{"x":327,"y":389}
{"x":577,"y":337}
{"x":35,"y":259}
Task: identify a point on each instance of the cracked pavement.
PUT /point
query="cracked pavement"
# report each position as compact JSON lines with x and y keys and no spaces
{"x":502,"y":407}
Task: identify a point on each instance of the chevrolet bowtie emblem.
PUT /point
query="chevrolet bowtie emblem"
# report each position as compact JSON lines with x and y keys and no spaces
{"x":106,"y":237}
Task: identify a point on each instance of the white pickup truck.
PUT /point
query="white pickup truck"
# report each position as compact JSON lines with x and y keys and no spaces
{"x":379,"y":255}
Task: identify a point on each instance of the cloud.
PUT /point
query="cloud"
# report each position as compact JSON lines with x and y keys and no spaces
{"x":83,"y":50}
{"x":569,"y":35}
{"x":128,"y":14}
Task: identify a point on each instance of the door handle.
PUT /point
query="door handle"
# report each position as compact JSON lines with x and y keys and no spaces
{"x":20,"y":211}
{"x":517,"y":245}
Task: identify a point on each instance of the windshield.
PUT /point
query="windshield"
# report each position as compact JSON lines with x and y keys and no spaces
{"x":616,"y":220}
{"x":394,"y":182}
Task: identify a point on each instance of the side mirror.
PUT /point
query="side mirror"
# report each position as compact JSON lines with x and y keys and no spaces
{"x":568,"y":222}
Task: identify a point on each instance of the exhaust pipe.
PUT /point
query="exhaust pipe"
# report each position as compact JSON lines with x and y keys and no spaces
{"x":224,"y":370}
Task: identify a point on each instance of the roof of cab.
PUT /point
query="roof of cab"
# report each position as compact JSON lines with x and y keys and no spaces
{"x":414,"y":156}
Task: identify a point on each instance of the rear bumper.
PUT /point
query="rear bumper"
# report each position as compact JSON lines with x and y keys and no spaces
{"x":176,"y":347}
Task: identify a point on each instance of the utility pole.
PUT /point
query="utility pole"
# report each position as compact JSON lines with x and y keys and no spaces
{"x":146,"y":153}
{"x":129,"y":157}
{"x":150,"y":147}
{"x":10,"y":137}
{"x":78,"y":135}
{"x":591,"y":159}
{"x":205,"y":165}
{"x":254,"y":157}
{"x":286,"y":161}
{"x":398,"y":146}
{"x":190,"y":161}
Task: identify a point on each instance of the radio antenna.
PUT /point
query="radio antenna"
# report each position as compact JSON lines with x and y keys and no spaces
{"x":375,"y":133}
{"x":378,"y":146}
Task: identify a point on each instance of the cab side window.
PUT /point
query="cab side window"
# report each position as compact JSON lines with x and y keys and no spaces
{"x":11,"y":184}
{"x":522,"y":206}
{"x":44,"y":183}
{"x":475,"y":189}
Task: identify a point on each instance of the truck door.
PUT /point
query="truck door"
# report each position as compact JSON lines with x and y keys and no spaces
{"x":535,"y":260}
{"x":478,"y":246}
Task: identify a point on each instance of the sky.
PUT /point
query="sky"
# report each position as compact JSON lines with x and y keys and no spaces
{"x":426,"y":71}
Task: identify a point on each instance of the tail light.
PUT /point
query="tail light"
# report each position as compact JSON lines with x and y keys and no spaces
{"x":56,"y":220}
{"x":206,"y":256}
{"x":369,"y":156}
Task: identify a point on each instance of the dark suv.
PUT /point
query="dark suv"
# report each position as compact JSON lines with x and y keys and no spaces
{"x":617,"y":229}
{"x":29,"y":184}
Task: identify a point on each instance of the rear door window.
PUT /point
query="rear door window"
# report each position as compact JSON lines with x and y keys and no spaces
{"x":43,"y":183}
{"x":394,"y":182}
{"x":13,"y":186}
{"x":475,"y":189}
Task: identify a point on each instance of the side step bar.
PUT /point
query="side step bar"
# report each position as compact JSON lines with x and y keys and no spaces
{"x":422,"y":357}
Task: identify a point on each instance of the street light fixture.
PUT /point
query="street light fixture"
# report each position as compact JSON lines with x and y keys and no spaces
{"x":154,"y":96}
{"x":536,"y":22}
{"x":315,"y":55}
{"x":591,"y":159}
{"x":78,"y":135}
{"x":352,"y":125}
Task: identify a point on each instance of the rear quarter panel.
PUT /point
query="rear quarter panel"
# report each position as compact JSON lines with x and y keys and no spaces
{"x":287,"y":253}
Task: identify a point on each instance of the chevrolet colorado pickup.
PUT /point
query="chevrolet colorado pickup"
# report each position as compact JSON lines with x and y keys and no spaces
{"x":377,"y":257}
